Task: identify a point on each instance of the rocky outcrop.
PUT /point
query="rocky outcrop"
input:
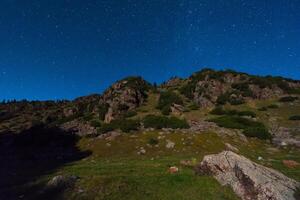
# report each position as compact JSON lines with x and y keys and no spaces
{"x":249,"y":180}
{"x":79,"y":128}
{"x":125,"y":95}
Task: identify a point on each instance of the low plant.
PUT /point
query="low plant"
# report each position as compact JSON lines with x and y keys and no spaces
{"x":153,"y":141}
{"x":250,"y":128}
{"x":159,"y":122}
{"x":258,"y":132}
{"x":288,"y":99}
{"x":294,"y":117}
{"x":273,"y":106}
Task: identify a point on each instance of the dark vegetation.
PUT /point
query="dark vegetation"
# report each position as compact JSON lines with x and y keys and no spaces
{"x":288,"y":99}
{"x":153,"y":141}
{"x":159,"y":122}
{"x":166,"y":100}
{"x":250,"y":128}
{"x":294,"y":117}
{"x":230,"y":97}
{"x":220,"y":111}
{"x":125,"y":125}
{"x":28,"y":155}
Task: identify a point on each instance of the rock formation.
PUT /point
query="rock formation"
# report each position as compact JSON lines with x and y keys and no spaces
{"x":249,"y":180}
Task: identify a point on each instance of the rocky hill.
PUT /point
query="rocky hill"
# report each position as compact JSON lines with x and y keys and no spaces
{"x":153,"y":126}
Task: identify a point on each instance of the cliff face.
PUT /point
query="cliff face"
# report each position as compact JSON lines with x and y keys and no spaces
{"x":208,"y":87}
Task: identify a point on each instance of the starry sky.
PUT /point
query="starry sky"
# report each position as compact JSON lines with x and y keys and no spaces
{"x":62,"y":49}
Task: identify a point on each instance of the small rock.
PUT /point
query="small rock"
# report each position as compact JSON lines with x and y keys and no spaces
{"x":170,"y":144}
{"x":173,"y":170}
{"x":260,"y":158}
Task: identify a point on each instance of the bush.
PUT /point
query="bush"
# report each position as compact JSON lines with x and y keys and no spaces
{"x":288,"y":99}
{"x":273,"y":106}
{"x":193,"y":106}
{"x":102,"y":110}
{"x":104,"y":128}
{"x":153,"y":141}
{"x":130,"y":114}
{"x":243,"y":88}
{"x":166,"y":110}
{"x":236,"y":122}
{"x":263,"y":109}
{"x":258,"y":132}
{"x":218,"y":111}
{"x":168,"y":98}
{"x":125,"y":125}
{"x":159,"y":122}
{"x":223,"y":99}
{"x":295,"y":117}
{"x":250,"y":128}
{"x":221,"y":111}
{"x":247,"y":113}
{"x":95,"y":123}
{"x":188,"y":90}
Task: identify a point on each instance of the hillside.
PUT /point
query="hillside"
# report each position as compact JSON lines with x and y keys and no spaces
{"x":122,"y":144}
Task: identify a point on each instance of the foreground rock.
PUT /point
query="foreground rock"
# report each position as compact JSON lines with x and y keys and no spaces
{"x":249,"y":180}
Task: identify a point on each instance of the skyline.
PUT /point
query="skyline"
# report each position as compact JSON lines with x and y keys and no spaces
{"x":66,"y":49}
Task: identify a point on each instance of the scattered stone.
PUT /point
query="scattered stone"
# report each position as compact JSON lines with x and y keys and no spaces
{"x":248,"y":179}
{"x":142,"y":151}
{"x":260,"y":158}
{"x":290,"y":163}
{"x":170,"y":144}
{"x":60,"y":182}
{"x":173,"y":170}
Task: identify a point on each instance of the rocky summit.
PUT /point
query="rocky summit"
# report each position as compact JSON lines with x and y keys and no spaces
{"x":139,"y":140}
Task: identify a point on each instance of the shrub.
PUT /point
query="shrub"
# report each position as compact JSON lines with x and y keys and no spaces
{"x":258,"y":132}
{"x":243,"y":88}
{"x":88,"y":117}
{"x":130,"y":114}
{"x":153,"y":141}
{"x":236,"y":122}
{"x":193,"y":106}
{"x":236,"y":101}
{"x":166,"y":110}
{"x":159,"y":122}
{"x":221,"y":111}
{"x":125,"y":125}
{"x":263,"y":109}
{"x":294,"y":117}
{"x":247,"y":113}
{"x":95,"y":123}
{"x":188,"y":90}
{"x":223,"y":99}
{"x":102,"y":110}
{"x":288,"y":99}
{"x":218,"y":111}
{"x":168,"y":98}
{"x":104,"y":128}
{"x":273,"y":106}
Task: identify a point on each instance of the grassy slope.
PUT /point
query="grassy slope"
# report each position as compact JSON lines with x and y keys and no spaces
{"x":116,"y":171}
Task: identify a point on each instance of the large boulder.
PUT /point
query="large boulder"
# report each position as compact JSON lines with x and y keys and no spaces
{"x":249,"y":180}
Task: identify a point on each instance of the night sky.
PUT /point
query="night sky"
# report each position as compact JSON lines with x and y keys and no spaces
{"x":62,"y":49}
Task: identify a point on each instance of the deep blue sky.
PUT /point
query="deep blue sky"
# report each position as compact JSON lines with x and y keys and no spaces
{"x":63,"y":49}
